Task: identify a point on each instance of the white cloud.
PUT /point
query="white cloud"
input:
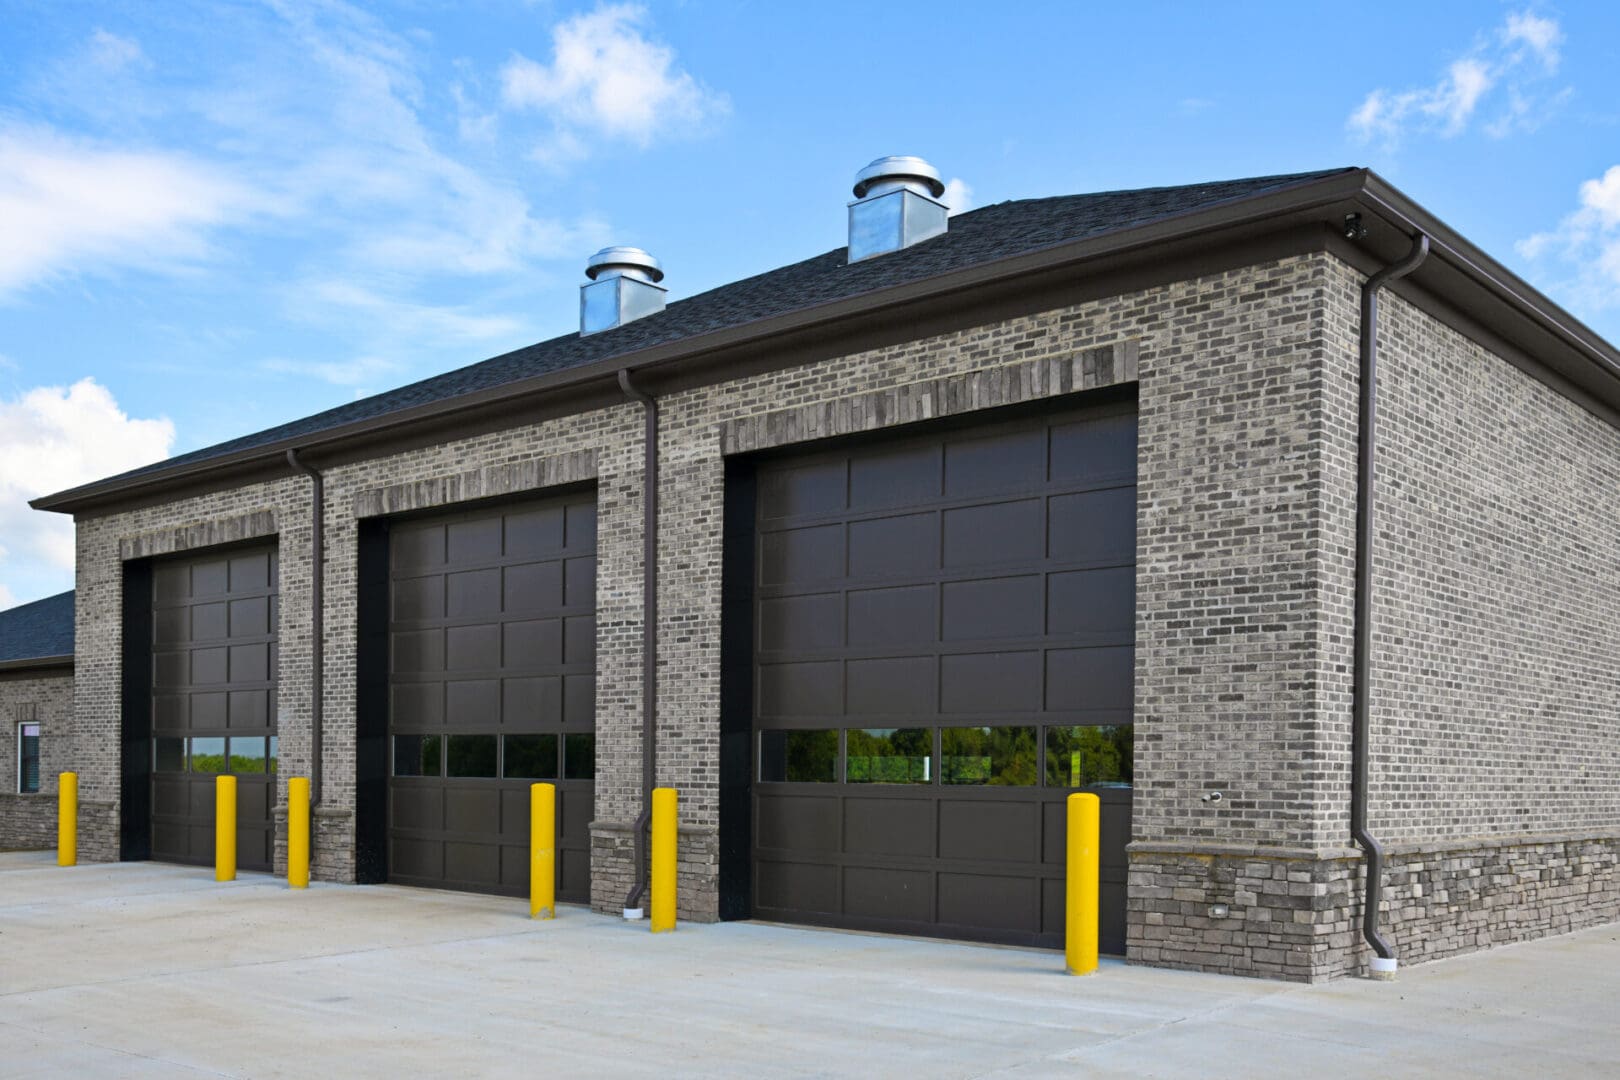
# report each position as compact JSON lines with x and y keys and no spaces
{"x":1541,"y":36}
{"x":1451,"y":104}
{"x":52,"y":438}
{"x":958,"y":195}
{"x":356,"y":372}
{"x":1585,"y":247}
{"x":607,"y":78}
{"x":59,"y":214}
{"x":113,"y":53}
{"x":7,"y":599}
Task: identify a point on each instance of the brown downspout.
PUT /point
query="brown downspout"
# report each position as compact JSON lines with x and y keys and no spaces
{"x":317,"y":556}
{"x":1360,"y":724}
{"x":649,"y":635}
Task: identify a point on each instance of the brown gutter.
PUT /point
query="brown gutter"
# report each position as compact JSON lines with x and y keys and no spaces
{"x":42,"y":662}
{"x":317,"y":624}
{"x":1304,"y":196}
{"x":1502,"y":283}
{"x":1361,"y":653}
{"x":649,"y":634}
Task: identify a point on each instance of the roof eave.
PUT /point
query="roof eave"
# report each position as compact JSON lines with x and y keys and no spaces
{"x":42,"y":663}
{"x":1503,"y":284}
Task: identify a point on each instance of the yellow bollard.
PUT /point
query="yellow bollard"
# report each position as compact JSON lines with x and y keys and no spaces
{"x":542,"y":851}
{"x":67,"y":819}
{"x":663,"y":859}
{"x":298,"y":832}
{"x":1080,"y":901}
{"x":225,"y":828}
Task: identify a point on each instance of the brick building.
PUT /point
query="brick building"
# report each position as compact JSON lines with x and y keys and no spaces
{"x":36,"y":709}
{"x":1059,"y":494}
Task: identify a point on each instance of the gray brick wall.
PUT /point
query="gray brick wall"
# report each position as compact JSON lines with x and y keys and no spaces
{"x":1496,"y":705}
{"x":1497,"y":696}
{"x":28,"y":822}
{"x":1246,"y":384}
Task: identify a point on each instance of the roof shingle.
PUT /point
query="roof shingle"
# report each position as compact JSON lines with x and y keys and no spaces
{"x":38,"y":629}
{"x":979,"y":236}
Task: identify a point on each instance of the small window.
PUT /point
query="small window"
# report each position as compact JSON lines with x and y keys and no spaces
{"x":1003,"y":756}
{"x":247,"y":755}
{"x":274,"y":752}
{"x":471,"y":756}
{"x":169,"y":755}
{"x":529,"y":757}
{"x":208,"y":755}
{"x":889,"y":756}
{"x":28,"y":758}
{"x":417,"y":755}
{"x":579,"y":757}
{"x":1083,"y":756}
{"x":798,"y":757}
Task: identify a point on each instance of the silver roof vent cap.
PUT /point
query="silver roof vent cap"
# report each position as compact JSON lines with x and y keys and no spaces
{"x":891,"y":173}
{"x":623,"y":288}
{"x":630,"y":261}
{"x":896,"y":205}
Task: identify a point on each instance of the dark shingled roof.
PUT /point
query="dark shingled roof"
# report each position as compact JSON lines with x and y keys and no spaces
{"x":978,"y":236}
{"x":42,"y":628}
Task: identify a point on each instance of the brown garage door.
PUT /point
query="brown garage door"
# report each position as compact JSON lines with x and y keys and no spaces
{"x":492,"y":641}
{"x":944,"y":637}
{"x":213,"y":702}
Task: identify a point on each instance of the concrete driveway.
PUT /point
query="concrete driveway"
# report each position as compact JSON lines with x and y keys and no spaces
{"x":141,"y":969}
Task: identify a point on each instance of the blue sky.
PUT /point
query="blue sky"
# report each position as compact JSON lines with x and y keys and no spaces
{"x":215,"y":217}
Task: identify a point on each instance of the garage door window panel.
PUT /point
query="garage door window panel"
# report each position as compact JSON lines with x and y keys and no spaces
{"x":1091,"y":754}
{"x":471,"y":756}
{"x":207,"y":755}
{"x":798,"y":757}
{"x":579,"y":757}
{"x":889,"y":756}
{"x":417,"y":755}
{"x":997,"y":756}
{"x":247,"y":756}
{"x":529,"y":757}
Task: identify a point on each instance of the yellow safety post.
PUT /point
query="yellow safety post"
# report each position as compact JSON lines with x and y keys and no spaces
{"x":225,"y":828}
{"x":542,"y":851}
{"x":67,"y":819}
{"x":1080,"y":922}
{"x":663,"y":859}
{"x":298,"y":832}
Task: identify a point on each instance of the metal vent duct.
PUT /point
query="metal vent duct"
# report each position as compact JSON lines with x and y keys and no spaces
{"x":623,"y":287}
{"x":896,"y":205}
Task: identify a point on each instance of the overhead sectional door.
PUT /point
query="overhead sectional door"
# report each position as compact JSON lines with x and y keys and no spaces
{"x":944,"y":630}
{"x":492,"y":673}
{"x":214,"y":622}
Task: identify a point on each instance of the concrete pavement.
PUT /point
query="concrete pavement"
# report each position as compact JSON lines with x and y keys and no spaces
{"x":142,"y":969}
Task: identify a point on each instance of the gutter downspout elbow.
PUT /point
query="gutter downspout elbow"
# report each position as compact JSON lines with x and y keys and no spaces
{"x":649,"y":636}
{"x":1384,"y":964}
{"x":317,"y":618}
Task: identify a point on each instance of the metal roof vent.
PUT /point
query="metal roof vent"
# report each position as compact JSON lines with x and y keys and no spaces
{"x":896,"y":205}
{"x":623,"y":287}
